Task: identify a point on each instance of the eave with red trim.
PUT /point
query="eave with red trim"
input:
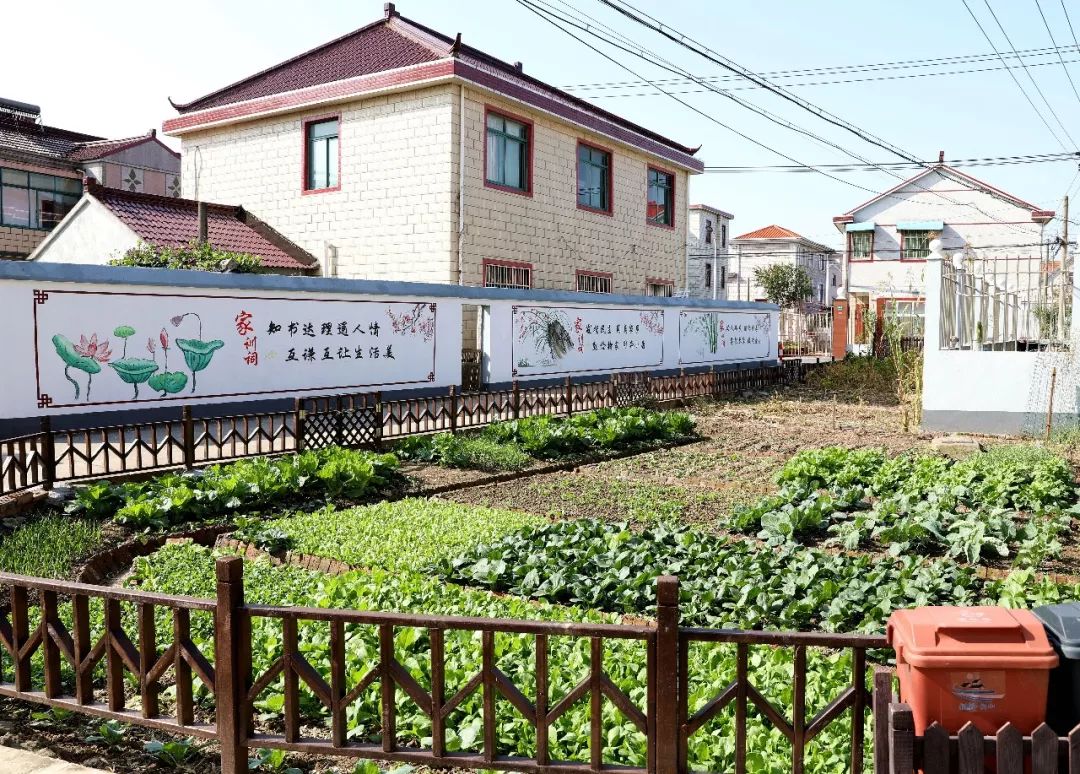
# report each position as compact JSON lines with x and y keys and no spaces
{"x":448,"y":70}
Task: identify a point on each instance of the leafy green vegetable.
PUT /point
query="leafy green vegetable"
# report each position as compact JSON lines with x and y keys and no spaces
{"x":48,"y":547}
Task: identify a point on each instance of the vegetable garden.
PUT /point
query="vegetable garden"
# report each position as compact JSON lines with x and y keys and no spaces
{"x":840,"y":538}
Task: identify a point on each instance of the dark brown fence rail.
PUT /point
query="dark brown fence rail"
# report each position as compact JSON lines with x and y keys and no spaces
{"x":356,"y":421}
{"x":94,"y":682}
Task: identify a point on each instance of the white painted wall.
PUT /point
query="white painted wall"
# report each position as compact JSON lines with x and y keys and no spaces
{"x":749,"y":255}
{"x":90,"y":234}
{"x":991,"y":391}
{"x":712,"y":259}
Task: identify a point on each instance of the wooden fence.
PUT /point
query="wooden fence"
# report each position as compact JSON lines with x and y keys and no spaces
{"x":968,"y":751}
{"x":227,"y":673}
{"x":357,"y":421}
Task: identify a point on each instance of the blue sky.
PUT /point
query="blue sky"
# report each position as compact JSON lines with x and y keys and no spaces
{"x":109,"y":67}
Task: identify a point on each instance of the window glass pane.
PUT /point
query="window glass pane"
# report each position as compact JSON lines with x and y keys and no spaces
{"x":323,"y":129}
{"x":12,"y":177}
{"x":495,"y":122}
{"x":69,"y":185}
{"x":42,"y":182}
{"x":16,"y":211}
{"x":593,"y":178}
{"x":51,"y":208}
{"x":494,"y":157}
{"x":512,"y":166}
{"x":331,"y":162}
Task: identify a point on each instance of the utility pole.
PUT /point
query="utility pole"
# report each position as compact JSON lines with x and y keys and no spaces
{"x":1064,"y":263}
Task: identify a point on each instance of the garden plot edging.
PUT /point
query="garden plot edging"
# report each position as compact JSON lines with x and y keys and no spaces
{"x":106,"y":564}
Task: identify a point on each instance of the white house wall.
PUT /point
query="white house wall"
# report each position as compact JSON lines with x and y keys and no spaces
{"x":90,"y":235}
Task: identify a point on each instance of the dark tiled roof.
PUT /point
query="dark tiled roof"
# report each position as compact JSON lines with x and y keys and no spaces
{"x":368,"y":50}
{"x":173,"y":222}
{"x":37,"y":140}
{"x":387,"y":44}
{"x":89,"y":151}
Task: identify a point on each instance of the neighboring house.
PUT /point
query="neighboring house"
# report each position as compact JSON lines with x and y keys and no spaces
{"x":776,"y":244}
{"x":107,"y":222}
{"x":401,"y":153}
{"x":41,"y":171}
{"x":707,"y":232}
{"x":888,"y":239}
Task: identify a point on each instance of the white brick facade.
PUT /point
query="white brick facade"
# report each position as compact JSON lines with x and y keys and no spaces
{"x":395,"y":215}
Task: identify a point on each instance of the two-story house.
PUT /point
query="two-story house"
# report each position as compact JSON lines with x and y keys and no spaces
{"x":888,"y":239}
{"x":397,"y":152}
{"x":42,"y":167}
{"x":778,"y":245}
{"x":707,"y":230}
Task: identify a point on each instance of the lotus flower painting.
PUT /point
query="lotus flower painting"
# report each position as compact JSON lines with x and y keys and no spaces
{"x":92,"y":351}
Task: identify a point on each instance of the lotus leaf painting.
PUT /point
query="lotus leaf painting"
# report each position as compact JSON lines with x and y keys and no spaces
{"x":99,"y":348}
{"x":724,"y":337}
{"x":556,"y":340}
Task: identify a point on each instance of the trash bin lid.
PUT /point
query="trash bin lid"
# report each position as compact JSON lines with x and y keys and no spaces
{"x":1062,"y":624}
{"x":937,"y":637}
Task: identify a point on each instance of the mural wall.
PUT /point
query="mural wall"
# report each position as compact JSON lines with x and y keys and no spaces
{"x":86,"y":338}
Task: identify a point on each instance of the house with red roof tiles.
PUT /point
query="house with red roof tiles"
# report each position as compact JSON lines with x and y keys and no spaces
{"x":41,"y":171}
{"x":888,"y":240}
{"x":775,"y":245}
{"x":107,"y":222}
{"x":398,"y":152}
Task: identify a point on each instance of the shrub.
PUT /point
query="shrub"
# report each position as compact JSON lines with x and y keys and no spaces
{"x":49,"y":547}
{"x":197,"y":256}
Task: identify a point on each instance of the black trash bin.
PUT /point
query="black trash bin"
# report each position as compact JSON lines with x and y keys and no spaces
{"x":1062,"y":624}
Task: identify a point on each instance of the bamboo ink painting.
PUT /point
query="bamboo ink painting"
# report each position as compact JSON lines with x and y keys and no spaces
{"x":720,"y":336}
{"x":552,"y":340}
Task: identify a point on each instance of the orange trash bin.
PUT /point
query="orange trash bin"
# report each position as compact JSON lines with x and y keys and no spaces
{"x":987,"y":665}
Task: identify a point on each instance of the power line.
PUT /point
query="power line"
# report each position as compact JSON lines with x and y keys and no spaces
{"x":1013,"y":76}
{"x":800,"y":84}
{"x":546,"y":16}
{"x":1060,"y":58}
{"x":732,"y":66}
{"x":1069,"y":21}
{"x":1028,"y":72}
{"x":900,"y":165}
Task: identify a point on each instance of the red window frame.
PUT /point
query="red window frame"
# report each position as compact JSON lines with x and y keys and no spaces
{"x":671,"y":174}
{"x":610,"y":175}
{"x":528,"y":191}
{"x":304,"y":190}
{"x":659,"y":281}
{"x":578,"y":273}
{"x":505,"y":264}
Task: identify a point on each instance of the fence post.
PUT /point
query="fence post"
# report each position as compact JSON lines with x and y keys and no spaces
{"x":515,"y":399}
{"x":299,"y":420}
{"x":667,"y":675}
{"x":189,"y":437}
{"x":569,"y":396}
{"x":901,"y":739}
{"x":453,"y":409}
{"x":48,"y":454}
{"x":613,"y":391}
{"x":231,"y":680}
{"x":882,"y":698}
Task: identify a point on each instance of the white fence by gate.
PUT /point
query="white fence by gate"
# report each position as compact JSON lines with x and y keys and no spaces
{"x":806,"y":334}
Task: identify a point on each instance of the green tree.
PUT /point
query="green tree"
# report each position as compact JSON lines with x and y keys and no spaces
{"x":783,"y":283}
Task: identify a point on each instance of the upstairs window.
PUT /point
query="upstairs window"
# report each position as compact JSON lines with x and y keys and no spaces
{"x":661,"y":207}
{"x":30,"y":200}
{"x":723,"y":234}
{"x":321,"y":155}
{"x":507,"y":153}
{"x":723,"y":277}
{"x":593,"y":282}
{"x":708,"y":275}
{"x":661,"y":288}
{"x":708,"y":231}
{"x":594,"y":178}
{"x":915,"y":245}
{"x":504,"y":274}
{"x":862,"y":244}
